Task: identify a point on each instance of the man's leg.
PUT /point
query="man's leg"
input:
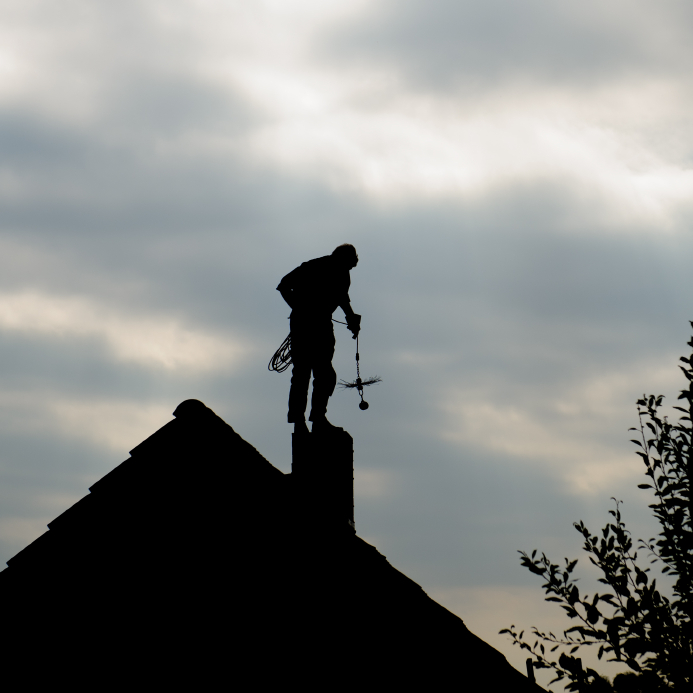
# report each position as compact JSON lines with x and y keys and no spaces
{"x":298,"y":394}
{"x":300,"y":375}
{"x":324,"y":381}
{"x":324,"y":376}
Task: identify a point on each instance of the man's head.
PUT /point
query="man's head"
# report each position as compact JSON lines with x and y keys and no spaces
{"x":346,"y":255}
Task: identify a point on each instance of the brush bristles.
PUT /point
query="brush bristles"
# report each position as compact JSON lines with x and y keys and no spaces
{"x":368,"y":381}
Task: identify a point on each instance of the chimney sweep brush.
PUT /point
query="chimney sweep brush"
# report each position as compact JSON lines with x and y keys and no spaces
{"x":359,"y":383}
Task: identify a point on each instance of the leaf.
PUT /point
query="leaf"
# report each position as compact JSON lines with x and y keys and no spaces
{"x":592,"y":613}
{"x":633,"y":664}
{"x":564,"y":660}
{"x":644,"y":486}
{"x":533,"y":568}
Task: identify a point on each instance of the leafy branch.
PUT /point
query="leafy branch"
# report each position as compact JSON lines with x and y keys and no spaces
{"x":632,"y":621}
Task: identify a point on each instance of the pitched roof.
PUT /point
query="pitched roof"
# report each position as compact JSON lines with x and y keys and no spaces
{"x":195,"y":560}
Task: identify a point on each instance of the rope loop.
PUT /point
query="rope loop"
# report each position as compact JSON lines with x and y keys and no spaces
{"x":282,"y":357}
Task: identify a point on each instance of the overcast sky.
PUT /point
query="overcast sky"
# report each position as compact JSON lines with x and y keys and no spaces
{"x":516,"y":176}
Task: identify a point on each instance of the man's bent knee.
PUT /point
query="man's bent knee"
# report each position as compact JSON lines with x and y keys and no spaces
{"x":324,"y":378}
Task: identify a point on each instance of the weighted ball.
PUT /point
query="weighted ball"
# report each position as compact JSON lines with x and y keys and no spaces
{"x":363,"y":405}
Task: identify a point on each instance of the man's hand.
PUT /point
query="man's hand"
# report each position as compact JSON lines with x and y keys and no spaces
{"x":354,"y":324}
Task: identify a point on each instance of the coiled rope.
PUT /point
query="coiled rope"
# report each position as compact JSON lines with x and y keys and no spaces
{"x":282,"y":357}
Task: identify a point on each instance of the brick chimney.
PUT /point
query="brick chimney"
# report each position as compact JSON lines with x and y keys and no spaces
{"x":322,"y":472}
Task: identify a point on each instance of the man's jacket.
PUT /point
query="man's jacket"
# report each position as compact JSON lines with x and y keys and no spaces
{"x":317,"y":287}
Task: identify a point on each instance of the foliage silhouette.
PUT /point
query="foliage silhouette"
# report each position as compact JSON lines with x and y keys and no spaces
{"x":633,"y":622}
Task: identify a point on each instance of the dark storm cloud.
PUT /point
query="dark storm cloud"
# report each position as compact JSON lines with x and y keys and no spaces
{"x":440,"y":44}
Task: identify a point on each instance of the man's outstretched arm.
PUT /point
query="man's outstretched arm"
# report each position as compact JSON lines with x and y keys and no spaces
{"x":353,"y":319}
{"x":345,"y":305}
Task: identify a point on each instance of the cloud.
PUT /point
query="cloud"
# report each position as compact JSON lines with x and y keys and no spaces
{"x":357,"y":126}
{"x":374,"y":483}
{"x":248,"y":89}
{"x":103,"y":422}
{"x":414,"y":146}
{"x":146,"y":340}
{"x":585,"y":466}
{"x":118,"y":425}
{"x":569,"y":431}
{"x":20,"y":531}
{"x":445,"y":44}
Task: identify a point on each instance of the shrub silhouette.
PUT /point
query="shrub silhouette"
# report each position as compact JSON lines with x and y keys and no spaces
{"x":632,"y":622}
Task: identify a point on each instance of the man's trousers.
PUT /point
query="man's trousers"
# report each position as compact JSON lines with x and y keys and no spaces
{"x":312,"y":349}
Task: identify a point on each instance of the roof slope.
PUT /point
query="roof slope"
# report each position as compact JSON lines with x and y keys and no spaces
{"x":191,"y":562}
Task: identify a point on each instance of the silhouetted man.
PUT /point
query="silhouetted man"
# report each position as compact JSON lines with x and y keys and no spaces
{"x":314,"y":291}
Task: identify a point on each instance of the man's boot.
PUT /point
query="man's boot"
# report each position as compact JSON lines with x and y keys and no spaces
{"x":322,"y":425}
{"x":300,"y":428}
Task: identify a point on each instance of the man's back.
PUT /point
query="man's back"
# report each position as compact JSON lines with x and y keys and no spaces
{"x":317,"y":287}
